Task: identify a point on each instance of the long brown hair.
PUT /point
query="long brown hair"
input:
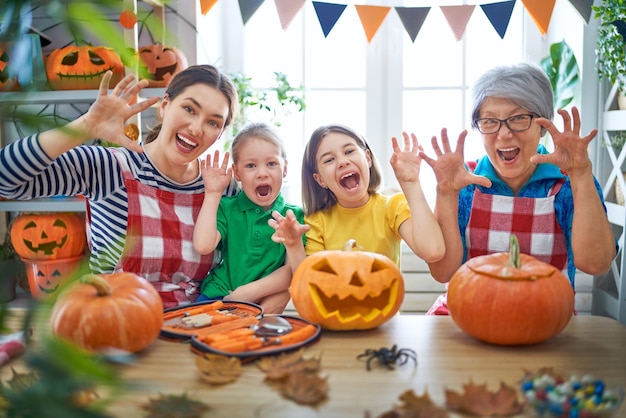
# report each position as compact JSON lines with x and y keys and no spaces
{"x":314,"y":196}
{"x":200,"y":74}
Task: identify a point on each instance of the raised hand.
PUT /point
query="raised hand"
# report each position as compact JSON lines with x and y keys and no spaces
{"x":406,"y":162}
{"x":107,"y":116}
{"x":216,"y":176}
{"x":287,"y":229}
{"x":449,"y":166}
{"x":570,"y":149}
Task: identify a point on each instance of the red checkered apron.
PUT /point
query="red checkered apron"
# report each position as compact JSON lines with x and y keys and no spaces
{"x":493,"y":218}
{"x":159,"y":240}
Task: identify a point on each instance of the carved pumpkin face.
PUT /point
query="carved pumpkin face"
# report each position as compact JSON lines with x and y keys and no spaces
{"x":347,"y":290}
{"x":45,"y":277}
{"x":6,"y":83}
{"x":510,"y":298}
{"x":81,"y":67}
{"x":41,"y":236}
{"x":160,"y":63}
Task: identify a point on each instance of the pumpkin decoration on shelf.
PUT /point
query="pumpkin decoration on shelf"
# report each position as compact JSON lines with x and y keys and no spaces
{"x":47,"y":277}
{"x":99,"y":312}
{"x":82,"y":67}
{"x":48,"y":235}
{"x":159,"y":63}
{"x":347,"y":290}
{"x":7,"y":83}
{"x":510,"y":298}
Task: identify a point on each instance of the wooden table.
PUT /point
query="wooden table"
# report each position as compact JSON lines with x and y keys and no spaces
{"x":447,"y":358}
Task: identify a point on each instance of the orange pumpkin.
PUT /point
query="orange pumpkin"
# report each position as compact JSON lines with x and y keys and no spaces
{"x":82,"y":67}
{"x":510,"y":298}
{"x":119,"y":310}
{"x":160,"y":63}
{"x":347,"y":290}
{"x":48,"y":236}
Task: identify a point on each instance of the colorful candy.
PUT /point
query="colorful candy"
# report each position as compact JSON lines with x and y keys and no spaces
{"x":584,"y":397}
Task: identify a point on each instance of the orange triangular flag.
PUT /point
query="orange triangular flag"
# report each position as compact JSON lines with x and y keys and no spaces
{"x":287,"y":10}
{"x":205,"y":5}
{"x":457,"y":17}
{"x":541,"y":12}
{"x":371,"y":18}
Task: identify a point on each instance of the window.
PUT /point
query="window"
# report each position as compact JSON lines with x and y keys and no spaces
{"x":380,"y":88}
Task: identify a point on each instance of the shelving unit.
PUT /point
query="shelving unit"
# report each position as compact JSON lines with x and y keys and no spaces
{"x":609,"y":290}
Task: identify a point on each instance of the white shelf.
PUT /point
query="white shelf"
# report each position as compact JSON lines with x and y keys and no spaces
{"x":49,"y":204}
{"x":614,"y":120}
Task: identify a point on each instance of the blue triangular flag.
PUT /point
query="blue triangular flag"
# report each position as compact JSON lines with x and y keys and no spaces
{"x":328,"y":14}
{"x":583,"y":7}
{"x":412,"y":18}
{"x":248,"y":8}
{"x":499,"y":14}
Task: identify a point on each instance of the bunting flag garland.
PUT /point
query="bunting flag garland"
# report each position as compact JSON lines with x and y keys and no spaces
{"x":412,"y":19}
{"x":205,"y":5}
{"x":328,"y":14}
{"x":499,"y":14}
{"x":287,"y":10}
{"x":583,"y":7}
{"x":457,"y":17}
{"x":541,"y":12}
{"x":372,"y":16}
{"x":248,"y":7}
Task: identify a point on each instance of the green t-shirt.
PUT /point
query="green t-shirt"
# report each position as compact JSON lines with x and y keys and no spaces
{"x":248,"y":252}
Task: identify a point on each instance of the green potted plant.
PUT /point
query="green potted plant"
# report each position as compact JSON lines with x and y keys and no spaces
{"x":562,"y":70}
{"x":611,"y":45}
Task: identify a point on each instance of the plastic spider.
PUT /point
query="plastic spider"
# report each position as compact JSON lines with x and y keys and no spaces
{"x":389,"y":357}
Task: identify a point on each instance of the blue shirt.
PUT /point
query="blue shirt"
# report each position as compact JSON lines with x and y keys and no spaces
{"x":539,"y":185}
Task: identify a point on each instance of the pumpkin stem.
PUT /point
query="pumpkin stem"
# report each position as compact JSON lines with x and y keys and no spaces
{"x":102,"y":287}
{"x":514,"y":257}
{"x":351,"y":245}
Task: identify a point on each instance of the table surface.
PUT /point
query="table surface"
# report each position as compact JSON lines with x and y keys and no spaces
{"x":447,"y":359}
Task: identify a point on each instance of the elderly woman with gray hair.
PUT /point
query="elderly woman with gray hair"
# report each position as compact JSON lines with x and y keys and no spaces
{"x":550,"y":201}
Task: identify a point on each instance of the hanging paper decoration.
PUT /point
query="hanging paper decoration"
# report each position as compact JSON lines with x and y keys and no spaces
{"x":457,"y":17}
{"x":128,"y":18}
{"x":206,"y":5}
{"x":412,"y":19}
{"x":541,"y":12}
{"x":499,"y":14}
{"x":583,"y":7}
{"x":287,"y":10}
{"x":328,"y":14}
{"x":248,"y":7}
{"x":371,"y":18}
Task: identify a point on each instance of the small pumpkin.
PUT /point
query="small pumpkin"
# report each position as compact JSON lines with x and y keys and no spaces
{"x":48,"y":236}
{"x":159,"y":63}
{"x":82,"y":67}
{"x":347,"y":290}
{"x":7,"y":83}
{"x":46,"y":277}
{"x":99,"y":312}
{"x":510,"y":298}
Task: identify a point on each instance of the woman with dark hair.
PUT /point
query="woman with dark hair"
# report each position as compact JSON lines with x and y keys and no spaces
{"x":142,"y":199}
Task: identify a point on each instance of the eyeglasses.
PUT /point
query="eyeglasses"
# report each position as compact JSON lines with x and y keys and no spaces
{"x":517,"y":123}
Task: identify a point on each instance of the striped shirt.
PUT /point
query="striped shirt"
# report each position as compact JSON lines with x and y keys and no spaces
{"x":92,"y":171}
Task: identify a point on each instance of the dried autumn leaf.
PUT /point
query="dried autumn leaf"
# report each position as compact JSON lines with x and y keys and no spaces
{"x":302,"y":387}
{"x":478,"y":400}
{"x":174,"y":406}
{"x":278,"y":367}
{"x":414,"y":406}
{"x":217,"y":369}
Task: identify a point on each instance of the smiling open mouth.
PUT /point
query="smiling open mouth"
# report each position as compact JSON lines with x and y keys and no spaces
{"x":508,"y":154}
{"x":263,"y":191}
{"x":185,"y":143}
{"x":350,"y":181}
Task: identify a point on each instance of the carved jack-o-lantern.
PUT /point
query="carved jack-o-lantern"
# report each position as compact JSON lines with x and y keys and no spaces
{"x":6,"y":83}
{"x":82,"y":67}
{"x":48,"y":236}
{"x":160,"y":63}
{"x":347,"y":290}
{"x":46,"y":277}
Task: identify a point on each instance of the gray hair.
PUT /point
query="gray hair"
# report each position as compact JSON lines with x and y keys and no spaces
{"x":526,"y":85}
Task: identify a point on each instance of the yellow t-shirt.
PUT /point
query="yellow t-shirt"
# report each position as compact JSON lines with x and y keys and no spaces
{"x":374,"y":226}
